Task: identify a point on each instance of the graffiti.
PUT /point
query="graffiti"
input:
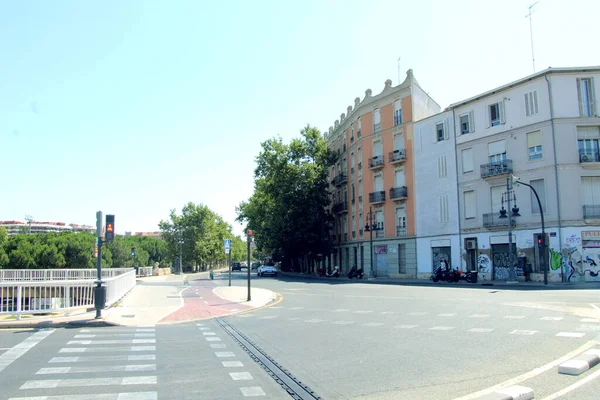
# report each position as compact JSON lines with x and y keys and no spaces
{"x":573,"y":239}
{"x":440,"y":254}
{"x":483,"y":263}
{"x":555,"y":259}
{"x":501,"y":259}
{"x":581,"y":263}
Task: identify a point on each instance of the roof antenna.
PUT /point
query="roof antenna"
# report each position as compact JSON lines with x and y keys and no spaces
{"x":531,"y":32}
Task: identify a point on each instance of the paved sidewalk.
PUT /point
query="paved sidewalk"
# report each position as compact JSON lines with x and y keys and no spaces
{"x":159,"y":300}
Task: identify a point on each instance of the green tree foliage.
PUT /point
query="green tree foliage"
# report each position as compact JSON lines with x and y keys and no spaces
{"x":288,"y":211}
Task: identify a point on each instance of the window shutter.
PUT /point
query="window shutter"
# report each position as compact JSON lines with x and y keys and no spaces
{"x":489,"y":116}
{"x":470,"y":203}
{"x":593,"y":97}
{"x":467,"y":160}
{"x":471,"y":121}
{"x":534,"y":139}
{"x":446,"y":135}
{"x":535,"y":102}
{"x":498,"y":147}
{"x":527,"y":110}
{"x":502,"y":112}
{"x":588,"y":132}
{"x":579,"y":98}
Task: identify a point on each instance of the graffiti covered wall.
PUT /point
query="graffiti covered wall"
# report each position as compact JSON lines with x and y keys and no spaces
{"x":580,"y":257}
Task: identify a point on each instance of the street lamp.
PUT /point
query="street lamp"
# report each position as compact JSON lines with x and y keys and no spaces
{"x":371,"y":226}
{"x":180,"y":242}
{"x":510,"y":195}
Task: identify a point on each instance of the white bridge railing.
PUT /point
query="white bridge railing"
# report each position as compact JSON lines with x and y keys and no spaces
{"x":20,"y":296}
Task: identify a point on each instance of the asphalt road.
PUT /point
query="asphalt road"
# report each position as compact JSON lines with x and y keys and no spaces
{"x":350,"y":340}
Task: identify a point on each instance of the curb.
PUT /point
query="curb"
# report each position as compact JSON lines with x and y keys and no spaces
{"x":57,"y":324}
{"x":510,"y":393}
{"x":580,"y":364}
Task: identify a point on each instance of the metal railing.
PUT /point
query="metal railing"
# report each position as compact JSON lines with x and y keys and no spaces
{"x":398,"y":193}
{"x":376,"y":162}
{"x":496,"y":168}
{"x":397,"y":156}
{"x":39,"y":297}
{"x":339,"y":179}
{"x":340,"y":207}
{"x":346,"y":237}
{"x":589,"y":156}
{"x":18,"y":275}
{"x":377,"y":197}
{"x":376,"y":127}
{"x":493,"y":219}
{"x":591,"y":211}
{"x":400,"y":231}
{"x":353,"y":234}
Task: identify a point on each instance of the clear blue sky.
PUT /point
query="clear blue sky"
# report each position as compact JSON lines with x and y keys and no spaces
{"x":135,"y":107}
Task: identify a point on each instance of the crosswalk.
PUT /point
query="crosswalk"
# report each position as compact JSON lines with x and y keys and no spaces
{"x":127,"y":365}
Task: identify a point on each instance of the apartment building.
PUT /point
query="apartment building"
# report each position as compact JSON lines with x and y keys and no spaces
{"x":545,"y":130}
{"x":372,"y":184}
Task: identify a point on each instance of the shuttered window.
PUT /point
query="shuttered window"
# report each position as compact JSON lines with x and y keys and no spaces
{"x":467,"y":160}
{"x":540,"y":188}
{"x":534,"y":145}
{"x":470,"y":204}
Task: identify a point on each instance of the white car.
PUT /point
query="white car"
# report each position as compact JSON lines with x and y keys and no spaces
{"x":264,"y":270}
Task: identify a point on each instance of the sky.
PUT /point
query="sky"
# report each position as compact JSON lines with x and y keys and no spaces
{"x":138,"y":107}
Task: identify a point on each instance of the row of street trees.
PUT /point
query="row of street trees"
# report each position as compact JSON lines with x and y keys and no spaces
{"x":289,"y":209}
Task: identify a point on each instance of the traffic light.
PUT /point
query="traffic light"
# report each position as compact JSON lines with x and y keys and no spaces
{"x":110,"y":227}
{"x":541,"y":242}
{"x":133,"y":249}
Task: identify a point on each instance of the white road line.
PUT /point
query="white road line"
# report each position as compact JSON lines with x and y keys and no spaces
{"x":514,"y":316}
{"x":275,"y":307}
{"x":132,"y":335}
{"x":135,"y":357}
{"x":105,"y":349}
{"x":212,"y":339}
{"x":115,"y":341}
{"x":222,"y":354}
{"x":373,"y":324}
{"x":590,"y":320}
{"x":574,"y":386}
{"x":441,"y":328}
{"x":595,"y":307}
{"x":294,"y":319}
{"x":17,"y":351}
{"x":246,"y":316}
{"x":232,"y":364}
{"x":340,"y":310}
{"x":551,"y":318}
{"x":208,"y":333}
{"x":523,"y":332}
{"x":479,"y":316}
{"x":113,"y":331}
{"x":297,"y":308}
{"x":417,"y":313}
{"x":204,"y":328}
{"x":343,"y":322}
{"x":103,"y":396}
{"x":146,"y":330}
{"x":199,"y":324}
{"x":145,"y":326}
{"x":571,"y":334}
{"x":447,"y":315}
{"x":405,"y":326}
{"x":253,"y":391}
{"x":218,"y":346}
{"x":388,"y":312}
{"x":241,"y":376}
{"x":363,"y":312}
{"x":268,"y":317}
{"x":62,"y":383}
{"x":481,"y":330}
{"x":103,"y":368}
{"x":314,"y":320}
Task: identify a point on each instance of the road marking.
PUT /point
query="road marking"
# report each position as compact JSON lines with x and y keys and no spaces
{"x":241,"y":376}
{"x":441,"y":328}
{"x":204,"y":328}
{"x":551,"y":318}
{"x":252,"y":391}
{"x":208,"y":333}
{"x":388,"y":312}
{"x":343,"y":322}
{"x":523,"y":332}
{"x":479,"y":316}
{"x":146,"y":330}
{"x":232,"y":364}
{"x":134,"y":335}
{"x":574,"y":386}
{"x":115,"y":330}
{"x":246,"y":315}
{"x":106,"y":368}
{"x":17,"y":351}
{"x":373,"y":324}
{"x":481,"y":330}
{"x":135,"y":357}
{"x":116,"y":341}
{"x":62,"y":383}
{"x":297,"y":308}
{"x":340,"y":310}
{"x":275,"y":307}
{"x":212,"y":339}
{"x":199,"y":324}
{"x":405,"y":326}
{"x":417,"y":313}
{"x":363,"y":312}
{"x":269,"y":317}
{"x":571,"y":334}
{"x":218,"y":346}
{"x":514,"y":316}
{"x":294,"y":319}
{"x":104,"y":349}
{"x":595,"y":307}
{"x":222,"y":354}
{"x":314,"y":320}
{"x":590,"y":320}
{"x":104,"y":396}
{"x":446,"y":315}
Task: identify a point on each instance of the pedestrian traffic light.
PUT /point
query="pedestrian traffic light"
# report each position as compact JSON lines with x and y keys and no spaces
{"x":110,"y":228}
{"x":249,"y":233}
{"x":133,"y":249}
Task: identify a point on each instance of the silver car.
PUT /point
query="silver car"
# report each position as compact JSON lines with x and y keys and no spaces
{"x":265,"y":270}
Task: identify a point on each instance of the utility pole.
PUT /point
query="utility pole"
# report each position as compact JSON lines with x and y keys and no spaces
{"x":249,"y":240}
{"x":510,"y":252}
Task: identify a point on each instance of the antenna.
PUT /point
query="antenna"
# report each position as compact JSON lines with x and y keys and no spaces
{"x":29,"y":219}
{"x":399,"y":81}
{"x":531,"y":32}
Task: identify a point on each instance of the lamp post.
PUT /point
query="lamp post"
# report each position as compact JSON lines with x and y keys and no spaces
{"x":510,"y":195}
{"x":180,"y":242}
{"x":371,"y":226}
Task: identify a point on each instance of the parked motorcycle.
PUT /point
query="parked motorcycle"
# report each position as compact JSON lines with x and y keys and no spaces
{"x":356,"y":273}
{"x":453,"y":275}
{"x":333,"y":274}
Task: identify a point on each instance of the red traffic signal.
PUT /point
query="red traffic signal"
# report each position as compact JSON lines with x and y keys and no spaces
{"x":109,"y":228}
{"x":249,"y":233}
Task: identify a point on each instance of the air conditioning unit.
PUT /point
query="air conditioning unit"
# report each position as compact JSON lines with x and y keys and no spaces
{"x":585,"y":158}
{"x":471,"y":244}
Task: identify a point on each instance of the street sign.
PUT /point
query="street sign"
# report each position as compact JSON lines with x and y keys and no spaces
{"x":227,"y":245}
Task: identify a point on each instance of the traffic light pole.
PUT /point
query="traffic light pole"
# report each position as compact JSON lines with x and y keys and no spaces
{"x":97,"y":304}
{"x":229,"y":261}
{"x":249,"y":239}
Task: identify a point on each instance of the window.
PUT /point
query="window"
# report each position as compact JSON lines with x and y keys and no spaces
{"x":467,"y":160}
{"x":376,"y":120}
{"x":496,"y":196}
{"x":467,"y":123}
{"x":444,"y":208}
{"x":496,"y":112}
{"x":360,"y":191}
{"x":531,"y":103}
{"x":540,"y":188}
{"x":379,"y":218}
{"x":591,"y":196}
{"x":587,"y":143}
{"x":470,"y":204}
{"x":399,"y":141}
{"x":398,"y":113}
{"x":352,"y":132}
{"x":400,"y":222}
{"x":497,"y":152}
{"x":399,"y":178}
{"x":585,"y":92}
{"x":439,"y":129}
{"x":534,"y":145}
{"x":359,"y":129}
{"x":378,"y":183}
{"x":377,"y":149}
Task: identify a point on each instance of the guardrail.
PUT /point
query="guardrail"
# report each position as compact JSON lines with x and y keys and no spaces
{"x":40,"y":297}
{"x":19,"y":275}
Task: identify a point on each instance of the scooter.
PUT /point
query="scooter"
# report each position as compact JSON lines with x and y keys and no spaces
{"x":442,"y":274}
{"x":356,"y":273}
{"x":333,"y":274}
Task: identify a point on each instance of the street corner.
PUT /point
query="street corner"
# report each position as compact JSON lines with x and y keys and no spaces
{"x":260,"y":298}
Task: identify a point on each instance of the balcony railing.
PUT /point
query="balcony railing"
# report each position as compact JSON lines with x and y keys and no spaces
{"x":340,"y":207}
{"x":344,"y":147}
{"x":591,"y":211}
{"x":397,"y":156}
{"x":400,"y":231}
{"x":376,"y":162}
{"x":377,"y":197}
{"x":380,"y":233}
{"x":398,"y":193}
{"x":360,"y":165}
{"x":339,"y":179}
{"x":491,"y":220}
{"x":589,"y":156}
{"x":497,"y":168}
{"x":376,"y":127}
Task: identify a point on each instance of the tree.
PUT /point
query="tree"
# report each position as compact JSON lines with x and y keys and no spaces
{"x":288,"y":211}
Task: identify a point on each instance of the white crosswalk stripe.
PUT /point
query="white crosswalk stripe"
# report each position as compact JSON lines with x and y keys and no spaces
{"x":106,"y":349}
{"x":103,"y":368}
{"x":133,"y":357}
{"x":571,"y":334}
{"x":103,"y":396}
{"x":63,"y":383}
{"x":115,"y":341}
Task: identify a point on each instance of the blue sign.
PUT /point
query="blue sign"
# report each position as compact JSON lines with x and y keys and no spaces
{"x":227,"y":244}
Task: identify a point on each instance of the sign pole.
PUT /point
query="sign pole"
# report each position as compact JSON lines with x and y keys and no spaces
{"x":229,"y":260}
{"x":249,"y":240}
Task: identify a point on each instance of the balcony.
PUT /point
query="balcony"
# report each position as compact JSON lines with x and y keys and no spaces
{"x":380,"y":233}
{"x":491,"y":220}
{"x":400,"y":231}
{"x":377,"y":127}
{"x":497,"y":168}
{"x":397,"y":156}
{"x":377,"y":197}
{"x":376,"y":162}
{"x":591,"y":211}
{"x":340,"y":208}
{"x":344,"y":147}
{"x":360,"y":165}
{"x":589,"y":156}
{"x":351,"y":139}
{"x":398,"y":193}
{"x":339,"y":179}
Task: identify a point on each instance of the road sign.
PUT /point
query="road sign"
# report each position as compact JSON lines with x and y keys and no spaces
{"x":227,"y":245}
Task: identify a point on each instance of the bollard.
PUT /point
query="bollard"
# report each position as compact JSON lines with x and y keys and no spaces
{"x":212,"y":275}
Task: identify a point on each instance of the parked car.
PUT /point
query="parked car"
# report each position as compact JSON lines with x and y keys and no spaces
{"x":244,"y":265}
{"x":265,"y":270}
{"x":255,"y":265}
{"x":236,"y":266}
